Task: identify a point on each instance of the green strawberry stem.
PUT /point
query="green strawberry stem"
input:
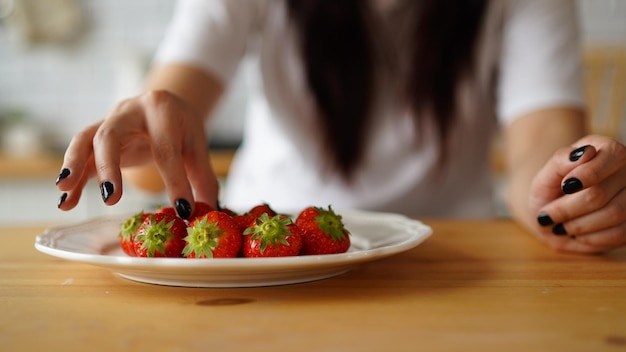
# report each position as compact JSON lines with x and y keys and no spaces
{"x":130,"y":226}
{"x":201,"y":238}
{"x":155,"y":236}
{"x":270,"y":230}
{"x":331,"y":224}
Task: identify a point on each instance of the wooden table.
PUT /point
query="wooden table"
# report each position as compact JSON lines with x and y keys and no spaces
{"x":474,"y":285}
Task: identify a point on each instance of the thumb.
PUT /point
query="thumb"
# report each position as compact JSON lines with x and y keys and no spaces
{"x":547,"y":184}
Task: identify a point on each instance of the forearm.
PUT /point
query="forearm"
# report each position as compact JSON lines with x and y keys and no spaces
{"x":530,"y":142}
{"x":196,"y":86}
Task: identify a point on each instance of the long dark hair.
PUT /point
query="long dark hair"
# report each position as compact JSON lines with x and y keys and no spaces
{"x":339,"y":56}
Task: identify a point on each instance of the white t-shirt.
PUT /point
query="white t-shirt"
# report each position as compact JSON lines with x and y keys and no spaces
{"x":531,"y":44}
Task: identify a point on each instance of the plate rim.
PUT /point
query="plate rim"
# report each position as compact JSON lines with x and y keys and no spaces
{"x":118,"y":264}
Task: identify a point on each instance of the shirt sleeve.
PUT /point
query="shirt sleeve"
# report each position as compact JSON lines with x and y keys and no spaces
{"x":210,"y":34}
{"x":541,"y":58}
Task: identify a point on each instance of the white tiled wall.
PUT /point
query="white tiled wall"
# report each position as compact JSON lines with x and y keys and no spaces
{"x":64,"y":87}
{"x":603,"y":20}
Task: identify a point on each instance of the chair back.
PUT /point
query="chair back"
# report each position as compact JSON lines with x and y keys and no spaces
{"x":605,"y":90}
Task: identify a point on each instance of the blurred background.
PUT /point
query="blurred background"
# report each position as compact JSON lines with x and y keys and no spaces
{"x":65,"y":63}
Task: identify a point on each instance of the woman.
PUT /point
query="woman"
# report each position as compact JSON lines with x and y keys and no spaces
{"x":380,"y":105}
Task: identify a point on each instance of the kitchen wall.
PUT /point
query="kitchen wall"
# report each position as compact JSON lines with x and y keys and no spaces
{"x":61,"y":85}
{"x":66,"y":86}
{"x":603,"y":21}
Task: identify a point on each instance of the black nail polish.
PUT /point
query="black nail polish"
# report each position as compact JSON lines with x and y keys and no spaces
{"x":577,"y":153}
{"x":106,"y":190}
{"x":544,"y":219}
{"x":183,"y":208}
{"x":63,"y":174}
{"x":571,"y":185}
{"x":62,"y":199}
{"x":559,"y":230}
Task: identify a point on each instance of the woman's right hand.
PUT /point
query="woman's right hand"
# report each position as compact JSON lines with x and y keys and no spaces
{"x":156,"y":126}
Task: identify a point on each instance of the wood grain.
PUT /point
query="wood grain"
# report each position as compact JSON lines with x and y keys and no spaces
{"x":472,"y":286}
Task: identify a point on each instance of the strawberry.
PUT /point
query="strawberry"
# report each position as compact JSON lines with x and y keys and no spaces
{"x":323,"y":231}
{"x":261,"y":209}
{"x":228,"y":211}
{"x":275,"y":236}
{"x":213,"y":235}
{"x":166,"y":210}
{"x":201,"y":209}
{"x":128,"y":231}
{"x":244,"y":220}
{"x":161,"y":235}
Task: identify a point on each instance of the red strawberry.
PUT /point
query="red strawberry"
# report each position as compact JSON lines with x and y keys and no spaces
{"x":213,"y":235}
{"x":201,"y":209}
{"x":244,"y":220}
{"x":161,"y":235}
{"x":261,"y":209}
{"x":228,"y":211}
{"x":166,"y":210}
{"x":128,"y":231}
{"x":275,"y":236}
{"x":323,"y":231}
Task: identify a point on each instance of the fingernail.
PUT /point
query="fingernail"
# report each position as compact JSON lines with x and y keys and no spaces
{"x":544,"y":219}
{"x":63,"y":174}
{"x":559,"y":230}
{"x":106,"y":190}
{"x":183,"y":208}
{"x":572,"y":185}
{"x":62,"y":199}
{"x":577,"y":153}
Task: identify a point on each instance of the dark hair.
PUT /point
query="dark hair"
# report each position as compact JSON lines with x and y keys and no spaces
{"x":339,"y":57}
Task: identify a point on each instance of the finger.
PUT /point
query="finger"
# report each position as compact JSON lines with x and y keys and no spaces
{"x":610,"y":157}
{"x":115,"y":138}
{"x":547,"y":184}
{"x":107,"y":151}
{"x":199,"y":169}
{"x":592,"y":208}
{"x":576,"y":245}
{"x":69,"y":199}
{"x":596,"y":173}
{"x":608,"y":238}
{"x":78,"y":155}
{"x":166,"y":125}
{"x":607,"y":216}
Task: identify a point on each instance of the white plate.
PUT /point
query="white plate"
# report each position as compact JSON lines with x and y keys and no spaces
{"x":373,"y":236}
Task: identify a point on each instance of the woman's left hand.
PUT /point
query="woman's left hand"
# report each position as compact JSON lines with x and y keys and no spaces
{"x":579,"y":197}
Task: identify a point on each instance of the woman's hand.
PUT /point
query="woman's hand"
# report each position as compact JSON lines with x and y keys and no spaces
{"x":579,"y":197}
{"x":156,"y":126}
